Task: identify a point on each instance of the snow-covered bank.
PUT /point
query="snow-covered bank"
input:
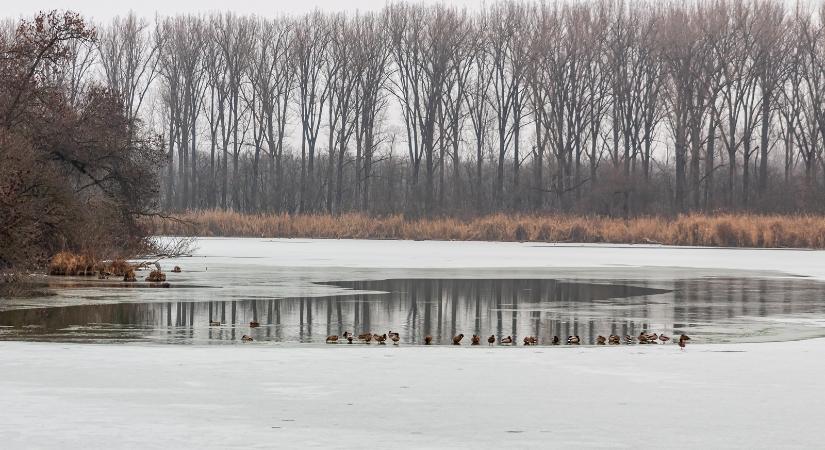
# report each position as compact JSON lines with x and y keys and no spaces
{"x":711,"y":396}
{"x":351,"y":253}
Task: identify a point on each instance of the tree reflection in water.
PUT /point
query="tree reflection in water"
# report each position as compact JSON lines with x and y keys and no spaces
{"x":715,"y":308}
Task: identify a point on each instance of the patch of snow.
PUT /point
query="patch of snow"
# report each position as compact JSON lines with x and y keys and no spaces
{"x":388,"y":254}
{"x":142,"y":396}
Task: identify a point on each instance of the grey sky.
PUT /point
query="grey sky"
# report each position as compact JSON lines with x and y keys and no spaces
{"x":106,"y":9}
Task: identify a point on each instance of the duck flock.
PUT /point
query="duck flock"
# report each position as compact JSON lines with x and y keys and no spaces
{"x":366,"y":338}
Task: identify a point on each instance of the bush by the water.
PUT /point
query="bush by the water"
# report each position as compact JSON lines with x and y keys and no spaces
{"x":75,"y":171}
{"x":156,"y":276}
{"x":72,"y":264}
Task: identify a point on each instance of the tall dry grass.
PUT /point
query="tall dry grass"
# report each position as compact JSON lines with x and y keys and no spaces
{"x":83,"y":264}
{"x":68,"y":263}
{"x":723,"y":230}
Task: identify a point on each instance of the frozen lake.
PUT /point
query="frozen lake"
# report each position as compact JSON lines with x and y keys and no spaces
{"x":301,"y":291}
{"x":289,"y":390}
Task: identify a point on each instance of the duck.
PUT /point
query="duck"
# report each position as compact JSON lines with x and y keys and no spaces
{"x":614,"y":339}
{"x":475,"y":340}
{"x":652,"y":337}
{"x":366,"y":337}
{"x":349,"y":339}
{"x":601,"y":340}
{"x":644,"y":337}
{"x":530,"y":340}
{"x":332,"y":339}
{"x":507,"y":340}
{"x":395,"y":338}
{"x":391,"y":334}
{"x":573,"y":340}
{"x":664,"y":338}
{"x":381,"y":339}
{"x":628,"y":339}
{"x":176,"y":269}
{"x":457,"y":339}
{"x":491,"y":340}
{"x":214,"y":323}
{"x":428,"y":340}
{"x":247,"y":338}
{"x":254,"y":324}
{"x":556,"y":340}
{"x":683,"y":341}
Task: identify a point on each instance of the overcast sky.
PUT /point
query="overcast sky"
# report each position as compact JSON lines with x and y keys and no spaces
{"x":106,"y":9}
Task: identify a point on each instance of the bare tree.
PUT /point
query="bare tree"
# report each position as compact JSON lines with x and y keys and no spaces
{"x":370,"y":57}
{"x":312,"y":38}
{"x":128,"y":55}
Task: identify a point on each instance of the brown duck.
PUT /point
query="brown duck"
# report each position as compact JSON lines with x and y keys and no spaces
{"x":601,"y":340}
{"x":491,"y":340}
{"x":457,"y":339}
{"x":683,"y":341}
{"x":428,"y":340}
{"x":475,"y":340}
{"x":247,"y":338}
{"x":507,"y":340}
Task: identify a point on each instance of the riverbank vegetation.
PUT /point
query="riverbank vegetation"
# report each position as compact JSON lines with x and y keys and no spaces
{"x":722,"y":230}
{"x":76,"y":173}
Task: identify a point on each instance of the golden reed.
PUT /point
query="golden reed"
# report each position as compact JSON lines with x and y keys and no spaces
{"x":722,"y":230}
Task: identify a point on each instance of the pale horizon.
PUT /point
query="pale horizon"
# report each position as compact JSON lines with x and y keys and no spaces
{"x":103,"y":10}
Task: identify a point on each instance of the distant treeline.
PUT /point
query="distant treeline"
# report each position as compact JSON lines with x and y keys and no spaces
{"x":606,"y":107}
{"x":719,"y":230}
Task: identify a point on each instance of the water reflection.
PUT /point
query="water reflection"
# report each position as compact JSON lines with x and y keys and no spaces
{"x":713,"y":309}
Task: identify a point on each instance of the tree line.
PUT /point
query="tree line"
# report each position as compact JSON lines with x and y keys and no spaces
{"x":605,"y":107}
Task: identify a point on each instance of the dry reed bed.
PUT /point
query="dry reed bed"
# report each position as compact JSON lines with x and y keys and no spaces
{"x":724,"y":230}
{"x":67,"y":263}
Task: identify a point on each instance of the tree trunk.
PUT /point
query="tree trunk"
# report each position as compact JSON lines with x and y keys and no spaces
{"x":763,"y":144}
{"x":709,"y":162}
